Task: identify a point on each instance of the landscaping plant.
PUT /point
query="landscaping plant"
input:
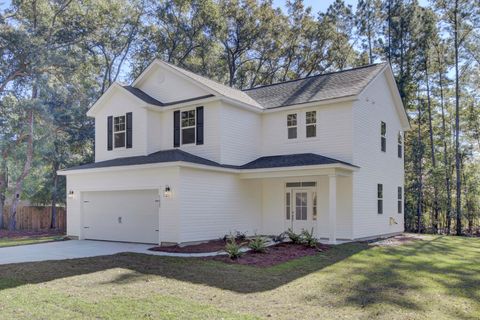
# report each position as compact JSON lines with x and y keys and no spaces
{"x":308,"y":239}
{"x":258,"y":244}
{"x":232,"y":248}
{"x":294,"y":237}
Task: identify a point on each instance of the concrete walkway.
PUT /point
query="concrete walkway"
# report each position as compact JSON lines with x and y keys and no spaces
{"x":73,"y":249}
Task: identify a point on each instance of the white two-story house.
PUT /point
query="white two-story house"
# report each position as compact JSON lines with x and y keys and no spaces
{"x":180,"y":158}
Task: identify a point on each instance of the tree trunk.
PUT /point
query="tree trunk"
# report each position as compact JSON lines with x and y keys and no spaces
{"x":457,"y":129}
{"x":3,"y":188}
{"x":419,"y":170}
{"x":446,"y":162}
{"x":26,"y":168}
{"x":432,"y":151}
{"x":53,"y":222}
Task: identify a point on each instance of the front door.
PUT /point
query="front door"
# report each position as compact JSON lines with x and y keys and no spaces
{"x":300,"y":209}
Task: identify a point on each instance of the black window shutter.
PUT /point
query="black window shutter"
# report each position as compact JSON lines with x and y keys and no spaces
{"x":199,"y":125}
{"x":109,"y":133}
{"x":129,"y":130}
{"x":176,"y":129}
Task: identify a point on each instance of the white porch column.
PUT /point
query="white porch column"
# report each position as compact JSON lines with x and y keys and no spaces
{"x":332,"y":208}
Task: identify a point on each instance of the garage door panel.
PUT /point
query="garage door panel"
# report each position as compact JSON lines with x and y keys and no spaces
{"x":121,"y":215}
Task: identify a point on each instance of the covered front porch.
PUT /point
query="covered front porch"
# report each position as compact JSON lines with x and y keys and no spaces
{"x":318,"y":199}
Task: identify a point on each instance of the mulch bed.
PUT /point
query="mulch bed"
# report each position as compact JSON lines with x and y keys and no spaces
{"x":210,"y":246}
{"x":276,"y":254}
{"x":29,"y":234}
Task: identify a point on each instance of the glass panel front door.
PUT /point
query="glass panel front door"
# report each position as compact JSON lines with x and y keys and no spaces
{"x":300,"y":204}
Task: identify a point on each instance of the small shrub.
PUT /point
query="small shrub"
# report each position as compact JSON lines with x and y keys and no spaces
{"x":308,"y":239}
{"x":294,"y":237}
{"x":278,"y":238}
{"x":240,"y":236}
{"x":232,"y":248}
{"x":258,"y":244}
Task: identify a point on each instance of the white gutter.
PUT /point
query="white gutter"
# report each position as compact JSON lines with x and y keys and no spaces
{"x":204,"y":167}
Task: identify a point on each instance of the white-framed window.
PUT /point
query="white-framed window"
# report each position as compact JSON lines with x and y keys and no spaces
{"x":400,"y":200}
{"x":383,"y":138}
{"x":119,"y":132}
{"x":188,"y":126}
{"x":400,"y":145}
{"x":311,"y":124}
{"x":292,"y":126}
{"x":379,"y":198}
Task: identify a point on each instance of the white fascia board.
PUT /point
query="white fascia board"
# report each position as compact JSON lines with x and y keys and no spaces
{"x":114,"y":87}
{"x":206,"y":167}
{"x":182,"y":104}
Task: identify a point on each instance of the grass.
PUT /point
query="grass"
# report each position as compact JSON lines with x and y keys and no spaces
{"x":437,"y":278}
{"x":11,"y":242}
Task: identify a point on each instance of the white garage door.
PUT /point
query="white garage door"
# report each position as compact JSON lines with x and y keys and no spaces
{"x":130,"y":216}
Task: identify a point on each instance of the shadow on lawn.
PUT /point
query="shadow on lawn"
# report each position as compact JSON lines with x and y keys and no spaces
{"x":241,"y":279}
{"x":392,"y":276}
{"x":411,"y":268}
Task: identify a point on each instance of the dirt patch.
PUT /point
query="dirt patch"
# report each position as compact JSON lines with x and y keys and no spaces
{"x":276,"y":254}
{"x":18,"y":234}
{"x":206,"y":247}
{"x":398,"y":240}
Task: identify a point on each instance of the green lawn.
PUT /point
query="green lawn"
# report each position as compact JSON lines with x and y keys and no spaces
{"x":10,"y":242}
{"x":437,"y":278}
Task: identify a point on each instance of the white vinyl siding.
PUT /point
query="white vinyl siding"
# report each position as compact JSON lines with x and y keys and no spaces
{"x":333,"y":132}
{"x":118,"y":104}
{"x":214,"y":204}
{"x":374,"y":106}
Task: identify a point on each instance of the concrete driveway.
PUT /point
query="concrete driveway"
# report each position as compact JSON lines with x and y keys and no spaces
{"x":74,"y":249}
{"x":71,"y":249}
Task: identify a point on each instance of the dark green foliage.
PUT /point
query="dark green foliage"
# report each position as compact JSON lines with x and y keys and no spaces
{"x":233,"y":248}
{"x":294,"y":237}
{"x":59,"y":57}
{"x":308,"y":239}
{"x":258,"y":244}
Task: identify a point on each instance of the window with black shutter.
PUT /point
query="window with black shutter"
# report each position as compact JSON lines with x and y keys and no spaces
{"x":199,"y":125}
{"x":383,"y":139}
{"x":188,"y":125}
{"x":129,"y":130}
{"x":119,"y":132}
{"x":176,"y":129}
{"x":379,"y":198}
{"x":109,"y":133}
{"x":400,"y":145}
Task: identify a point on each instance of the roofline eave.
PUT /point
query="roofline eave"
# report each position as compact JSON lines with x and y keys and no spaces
{"x":342,"y":166}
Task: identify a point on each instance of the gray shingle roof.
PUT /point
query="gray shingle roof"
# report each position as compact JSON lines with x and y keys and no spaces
{"x":148,"y":99}
{"x":175,"y":155}
{"x":221,"y":89}
{"x":315,"y":88}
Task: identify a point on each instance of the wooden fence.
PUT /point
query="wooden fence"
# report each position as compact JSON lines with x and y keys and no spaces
{"x":37,"y":218}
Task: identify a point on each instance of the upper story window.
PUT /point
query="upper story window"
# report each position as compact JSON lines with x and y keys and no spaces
{"x":311,"y":122}
{"x":379,"y":198}
{"x":188,"y":127}
{"x":383,"y":139}
{"x":119,"y":132}
{"x":400,"y":200}
{"x":400,"y":144}
{"x":292,"y":126}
